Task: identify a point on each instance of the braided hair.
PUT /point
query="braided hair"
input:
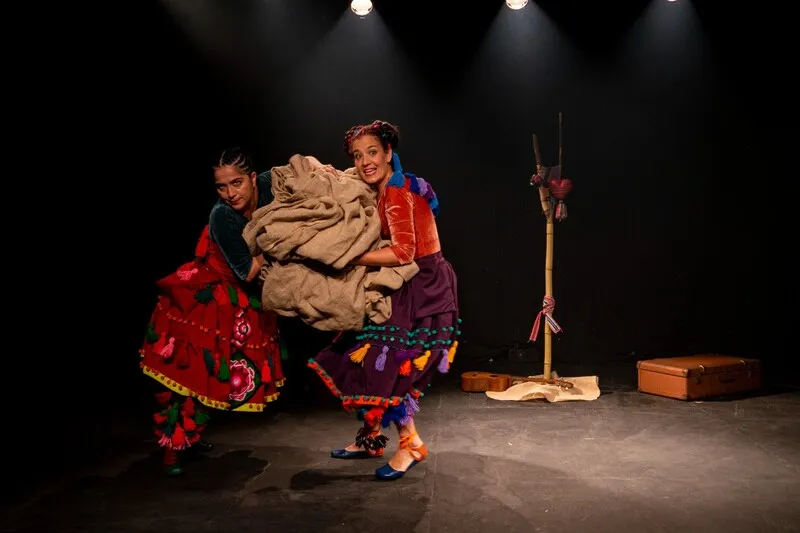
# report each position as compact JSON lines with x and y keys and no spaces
{"x":387,"y":134}
{"x":236,"y":157}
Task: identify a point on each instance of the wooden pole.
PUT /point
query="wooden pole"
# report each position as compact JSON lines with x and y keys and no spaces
{"x":548,"y":291}
{"x":548,"y":210}
{"x":548,"y":267}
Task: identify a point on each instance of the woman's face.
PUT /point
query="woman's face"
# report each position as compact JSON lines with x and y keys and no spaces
{"x":371,"y":160}
{"x":236,"y":188}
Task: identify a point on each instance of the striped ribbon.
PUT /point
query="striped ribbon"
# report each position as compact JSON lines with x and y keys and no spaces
{"x":548,"y":309}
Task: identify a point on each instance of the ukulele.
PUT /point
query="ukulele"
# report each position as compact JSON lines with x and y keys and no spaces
{"x":488,"y":381}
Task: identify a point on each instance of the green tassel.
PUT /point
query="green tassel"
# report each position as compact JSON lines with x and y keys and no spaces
{"x":151,"y":334}
{"x":172,"y":415}
{"x":204,"y":296}
{"x":224,"y":372}
{"x":284,"y":352}
{"x":233,"y":295}
{"x":201,"y":417}
{"x":255,"y":303}
{"x":208,"y":358}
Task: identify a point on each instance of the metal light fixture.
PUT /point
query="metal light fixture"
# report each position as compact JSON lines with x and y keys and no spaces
{"x":362,"y":7}
{"x":516,"y":4}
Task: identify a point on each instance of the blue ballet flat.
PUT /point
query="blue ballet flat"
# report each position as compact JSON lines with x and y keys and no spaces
{"x":418,"y":454}
{"x":387,"y":473}
{"x":346,"y":454}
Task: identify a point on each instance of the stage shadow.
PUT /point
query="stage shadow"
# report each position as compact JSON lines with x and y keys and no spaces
{"x":301,"y":490}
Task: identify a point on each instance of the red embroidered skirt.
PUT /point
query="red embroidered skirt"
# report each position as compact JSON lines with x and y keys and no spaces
{"x":210,"y":340}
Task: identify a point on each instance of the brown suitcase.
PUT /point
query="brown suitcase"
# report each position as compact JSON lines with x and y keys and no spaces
{"x":699,"y":376}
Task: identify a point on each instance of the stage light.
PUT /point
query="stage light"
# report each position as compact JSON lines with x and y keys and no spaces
{"x":516,"y":4}
{"x":361,"y":7}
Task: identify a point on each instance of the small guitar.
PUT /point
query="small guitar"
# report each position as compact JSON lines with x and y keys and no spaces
{"x":488,"y":381}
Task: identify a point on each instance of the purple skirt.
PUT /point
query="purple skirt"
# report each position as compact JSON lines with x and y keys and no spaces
{"x":387,"y":366}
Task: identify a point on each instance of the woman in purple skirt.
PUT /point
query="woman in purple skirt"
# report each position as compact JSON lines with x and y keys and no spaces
{"x":382,"y":371}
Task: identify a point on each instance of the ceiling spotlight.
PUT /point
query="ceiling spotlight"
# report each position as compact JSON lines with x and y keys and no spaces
{"x":361,"y":7}
{"x":516,"y":4}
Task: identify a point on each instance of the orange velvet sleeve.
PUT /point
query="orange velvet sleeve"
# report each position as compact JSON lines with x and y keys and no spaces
{"x":399,"y":212}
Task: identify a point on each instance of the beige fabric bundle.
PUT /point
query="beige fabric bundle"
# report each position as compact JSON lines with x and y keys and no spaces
{"x":319,"y":221}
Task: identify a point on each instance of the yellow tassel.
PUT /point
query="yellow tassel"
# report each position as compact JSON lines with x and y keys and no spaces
{"x":358,"y":356}
{"x":451,"y":353}
{"x":422,"y":360}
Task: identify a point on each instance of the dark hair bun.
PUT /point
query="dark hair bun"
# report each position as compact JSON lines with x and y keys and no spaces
{"x":386,"y":132}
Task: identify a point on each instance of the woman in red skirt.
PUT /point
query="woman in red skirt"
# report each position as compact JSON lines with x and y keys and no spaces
{"x":209,"y":343}
{"x":382,"y":371}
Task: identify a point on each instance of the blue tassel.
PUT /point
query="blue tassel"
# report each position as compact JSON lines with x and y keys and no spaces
{"x":417,"y":186}
{"x":393,"y":414}
{"x":380,"y":362}
{"x":434,"y":205}
{"x":396,"y":166}
{"x":401,"y":414}
{"x":397,"y":179}
{"x":414,"y":185}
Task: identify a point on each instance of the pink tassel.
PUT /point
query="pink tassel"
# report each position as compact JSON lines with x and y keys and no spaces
{"x":166,"y":351}
{"x":380,"y":362}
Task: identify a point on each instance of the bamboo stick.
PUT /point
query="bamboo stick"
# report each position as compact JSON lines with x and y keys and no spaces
{"x":548,"y":210}
{"x":548,"y":291}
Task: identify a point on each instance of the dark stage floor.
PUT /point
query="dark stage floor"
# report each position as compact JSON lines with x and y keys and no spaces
{"x":625,"y":462}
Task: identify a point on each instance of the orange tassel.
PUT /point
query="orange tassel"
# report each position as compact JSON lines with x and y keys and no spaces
{"x":451,"y":353}
{"x":358,"y":356}
{"x":405,"y":368}
{"x":422,"y":360}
